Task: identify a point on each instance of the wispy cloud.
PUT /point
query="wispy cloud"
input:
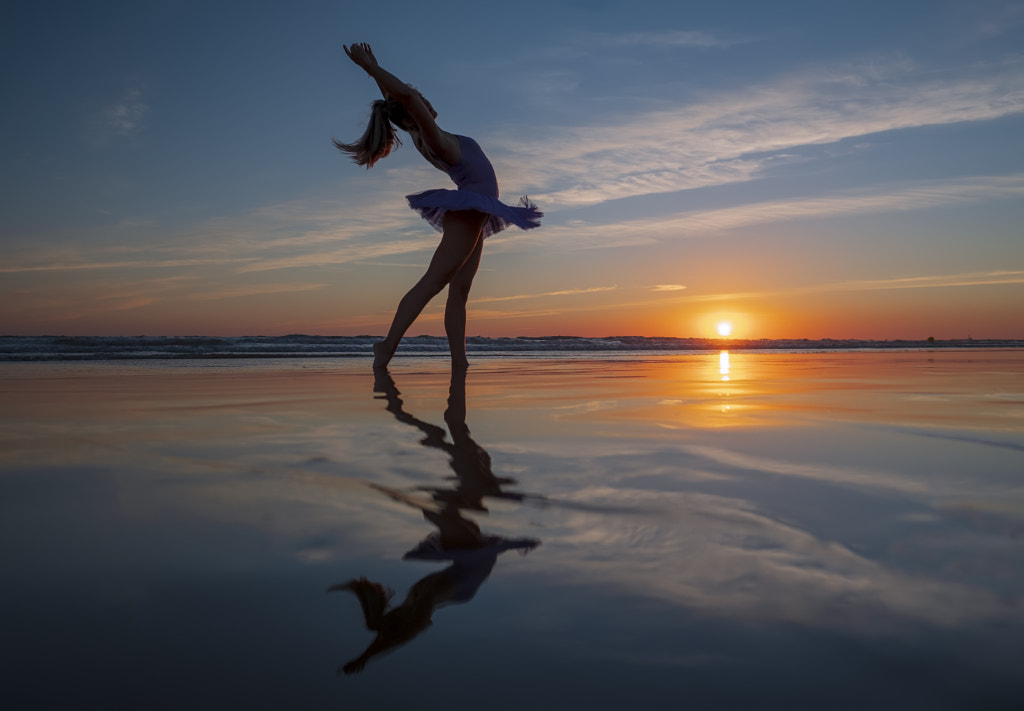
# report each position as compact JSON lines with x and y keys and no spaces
{"x":732,"y":136}
{"x":935,"y":281}
{"x":295,"y":234}
{"x":877,"y":199}
{"x":696,"y":39}
{"x":482,"y":314}
{"x":993,"y":22}
{"x":668,"y":287}
{"x":66,"y":303}
{"x":565,"y":292}
{"x":347,"y":254}
{"x":251,"y":290}
{"x":435,"y":314}
{"x":86,"y":265}
{"x":123,"y":117}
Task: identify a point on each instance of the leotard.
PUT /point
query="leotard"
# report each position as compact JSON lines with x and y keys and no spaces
{"x":477,"y":189}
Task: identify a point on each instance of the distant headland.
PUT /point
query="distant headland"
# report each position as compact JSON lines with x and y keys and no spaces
{"x":80,"y":348}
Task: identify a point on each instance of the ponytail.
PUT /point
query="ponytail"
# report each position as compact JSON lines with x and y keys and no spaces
{"x":378,"y":140}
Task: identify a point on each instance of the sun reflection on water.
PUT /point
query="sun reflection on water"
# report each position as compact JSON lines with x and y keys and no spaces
{"x":723,"y":370}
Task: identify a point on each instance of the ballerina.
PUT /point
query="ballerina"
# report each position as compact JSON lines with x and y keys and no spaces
{"x":464,"y":216}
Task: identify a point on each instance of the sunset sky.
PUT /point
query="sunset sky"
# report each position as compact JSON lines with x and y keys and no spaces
{"x":800,"y":169}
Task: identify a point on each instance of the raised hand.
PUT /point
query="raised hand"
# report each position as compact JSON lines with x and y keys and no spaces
{"x":361,"y":54}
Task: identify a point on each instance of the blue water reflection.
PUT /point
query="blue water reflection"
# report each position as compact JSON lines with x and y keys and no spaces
{"x":848,"y":533}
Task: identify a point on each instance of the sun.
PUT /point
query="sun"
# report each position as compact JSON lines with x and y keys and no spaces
{"x":724,"y":324}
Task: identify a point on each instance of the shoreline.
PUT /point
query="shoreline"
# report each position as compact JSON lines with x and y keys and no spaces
{"x":176,"y":348}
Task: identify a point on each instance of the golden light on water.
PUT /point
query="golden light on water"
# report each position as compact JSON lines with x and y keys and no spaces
{"x":723,"y":365}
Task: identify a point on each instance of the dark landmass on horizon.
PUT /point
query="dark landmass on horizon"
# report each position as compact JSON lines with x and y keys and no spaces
{"x":779,"y":343}
{"x":81,"y":348}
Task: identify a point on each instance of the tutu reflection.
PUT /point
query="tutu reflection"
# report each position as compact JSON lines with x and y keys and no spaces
{"x":472,"y":554}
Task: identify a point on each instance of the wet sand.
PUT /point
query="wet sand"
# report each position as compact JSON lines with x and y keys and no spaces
{"x":835,"y":530}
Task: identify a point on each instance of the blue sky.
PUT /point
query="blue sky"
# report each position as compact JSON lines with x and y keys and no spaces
{"x":801,"y":169}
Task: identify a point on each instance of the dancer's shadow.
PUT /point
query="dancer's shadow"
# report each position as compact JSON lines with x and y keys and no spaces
{"x":458,"y":539}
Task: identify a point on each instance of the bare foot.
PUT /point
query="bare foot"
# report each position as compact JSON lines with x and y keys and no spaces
{"x":381,"y":354}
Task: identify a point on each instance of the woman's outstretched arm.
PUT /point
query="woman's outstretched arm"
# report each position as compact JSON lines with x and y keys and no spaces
{"x":383,"y":89}
{"x":409,"y":98}
{"x":389,"y":84}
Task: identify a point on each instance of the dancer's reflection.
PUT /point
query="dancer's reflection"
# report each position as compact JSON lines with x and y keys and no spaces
{"x":457,"y":539}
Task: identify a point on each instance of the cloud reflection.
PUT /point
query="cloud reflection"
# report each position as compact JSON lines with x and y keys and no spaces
{"x":730,"y":558}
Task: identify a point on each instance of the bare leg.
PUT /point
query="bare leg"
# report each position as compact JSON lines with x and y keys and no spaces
{"x":455,"y":307}
{"x":460,"y":238}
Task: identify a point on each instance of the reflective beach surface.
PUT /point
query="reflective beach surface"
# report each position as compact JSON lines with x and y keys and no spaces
{"x":717,"y":530}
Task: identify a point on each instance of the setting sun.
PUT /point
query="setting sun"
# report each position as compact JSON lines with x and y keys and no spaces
{"x":724,"y":323}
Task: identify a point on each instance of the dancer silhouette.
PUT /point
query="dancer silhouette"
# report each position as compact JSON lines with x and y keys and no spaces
{"x":464,"y":216}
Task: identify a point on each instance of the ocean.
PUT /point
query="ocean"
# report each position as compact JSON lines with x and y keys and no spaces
{"x":267,"y":523}
{"x":71,"y":348}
